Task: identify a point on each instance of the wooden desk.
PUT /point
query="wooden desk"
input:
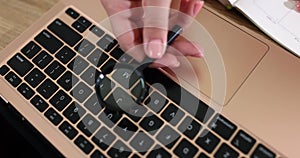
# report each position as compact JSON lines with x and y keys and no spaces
{"x":17,"y":15}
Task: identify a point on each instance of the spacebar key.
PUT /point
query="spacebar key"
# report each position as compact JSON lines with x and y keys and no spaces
{"x":63,"y":31}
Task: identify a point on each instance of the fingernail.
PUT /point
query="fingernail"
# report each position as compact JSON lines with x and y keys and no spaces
{"x":155,"y":48}
{"x":200,"y":51}
{"x":177,"y":64}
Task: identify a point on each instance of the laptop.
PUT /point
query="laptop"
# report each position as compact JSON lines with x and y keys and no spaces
{"x":48,"y":79}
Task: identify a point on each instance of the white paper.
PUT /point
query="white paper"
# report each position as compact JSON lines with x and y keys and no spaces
{"x":232,"y":2}
{"x":277,"y":18}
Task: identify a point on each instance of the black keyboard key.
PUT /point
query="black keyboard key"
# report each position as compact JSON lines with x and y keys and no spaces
{"x":84,"y":47}
{"x":110,"y":118}
{"x":39,"y":103}
{"x":189,"y":127}
{"x":55,"y":69}
{"x":97,"y":154}
{"x":3,"y":70}
{"x":172,"y":114}
{"x":97,"y":31}
{"x":97,"y":57}
{"x":151,"y":123}
{"x":84,"y":144}
{"x":90,"y":75}
{"x":156,"y":102}
{"x":222,"y":126}
{"x":126,"y":77}
{"x":93,"y":105}
{"x":26,"y":91}
{"x":60,"y":100}
{"x":20,"y":64}
{"x":121,"y":99}
{"x":88,"y":125}
{"x":118,"y":150}
{"x":226,"y":152}
{"x":81,"y":92}
{"x":117,"y":53}
{"x":208,"y":141}
{"x":262,"y":152}
{"x":64,"y":32}
{"x":35,"y":77}
{"x":65,"y":54}
{"x":168,"y":136}
{"x":202,"y":155}
{"x":72,"y":13}
{"x":47,"y":88}
{"x":74,"y":112}
{"x":67,"y":80}
{"x":109,"y":85}
{"x":125,"y":129}
{"x":13,"y":79}
{"x":170,"y":88}
{"x":42,"y":59}
{"x":48,"y":41}
{"x":79,"y":27}
{"x":120,"y":55}
{"x":107,"y":43}
{"x":136,"y":112}
{"x":53,"y":116}
{"x":86,"y":23}
{"x":243,"y":142}
{"x":104,"y":138}
{"x":185,"y":149}
{"x":68,"y":130}
{"x":159,"y":152}
{"x":31,"y":49}
{"x":135,"y":156}
{"x":110,"y":62}
{"x":141,"y":142}
{"x":125,"y":58}
{"x":204,"y":112}
{"x":138,"y":89}
{"x":78,"y":65}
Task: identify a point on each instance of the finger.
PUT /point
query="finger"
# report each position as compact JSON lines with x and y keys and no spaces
{"x":187,"y":48}
{"x":191,"y":7}
{"x":155,"y":27}
{"x":121,"y":14}
{"x":168,"y":60}
{"x":187,"y":11}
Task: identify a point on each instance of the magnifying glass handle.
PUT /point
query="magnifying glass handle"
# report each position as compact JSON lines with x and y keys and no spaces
{"x":172,"y":35}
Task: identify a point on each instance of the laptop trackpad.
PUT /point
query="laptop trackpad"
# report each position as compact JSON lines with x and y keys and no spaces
{"x":240,"y":52}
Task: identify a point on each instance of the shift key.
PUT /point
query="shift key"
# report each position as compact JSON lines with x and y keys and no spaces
{"x":20,"y":64}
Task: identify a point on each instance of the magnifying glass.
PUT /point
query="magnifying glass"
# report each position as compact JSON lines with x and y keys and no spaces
{"x":115,"y":95}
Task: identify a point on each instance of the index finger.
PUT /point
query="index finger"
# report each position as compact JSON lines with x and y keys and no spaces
{"x":155,"y":27}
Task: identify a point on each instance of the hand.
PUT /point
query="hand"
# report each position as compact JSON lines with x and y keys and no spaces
{"x":142,"y":25}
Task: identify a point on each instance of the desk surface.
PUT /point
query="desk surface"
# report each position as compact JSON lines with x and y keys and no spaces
{"x":16,"y":16}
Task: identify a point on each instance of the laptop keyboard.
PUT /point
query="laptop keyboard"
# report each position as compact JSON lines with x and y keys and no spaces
{"x":56,"y":73}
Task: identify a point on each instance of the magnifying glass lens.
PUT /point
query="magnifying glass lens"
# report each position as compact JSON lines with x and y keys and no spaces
{"x":124,"y":89}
